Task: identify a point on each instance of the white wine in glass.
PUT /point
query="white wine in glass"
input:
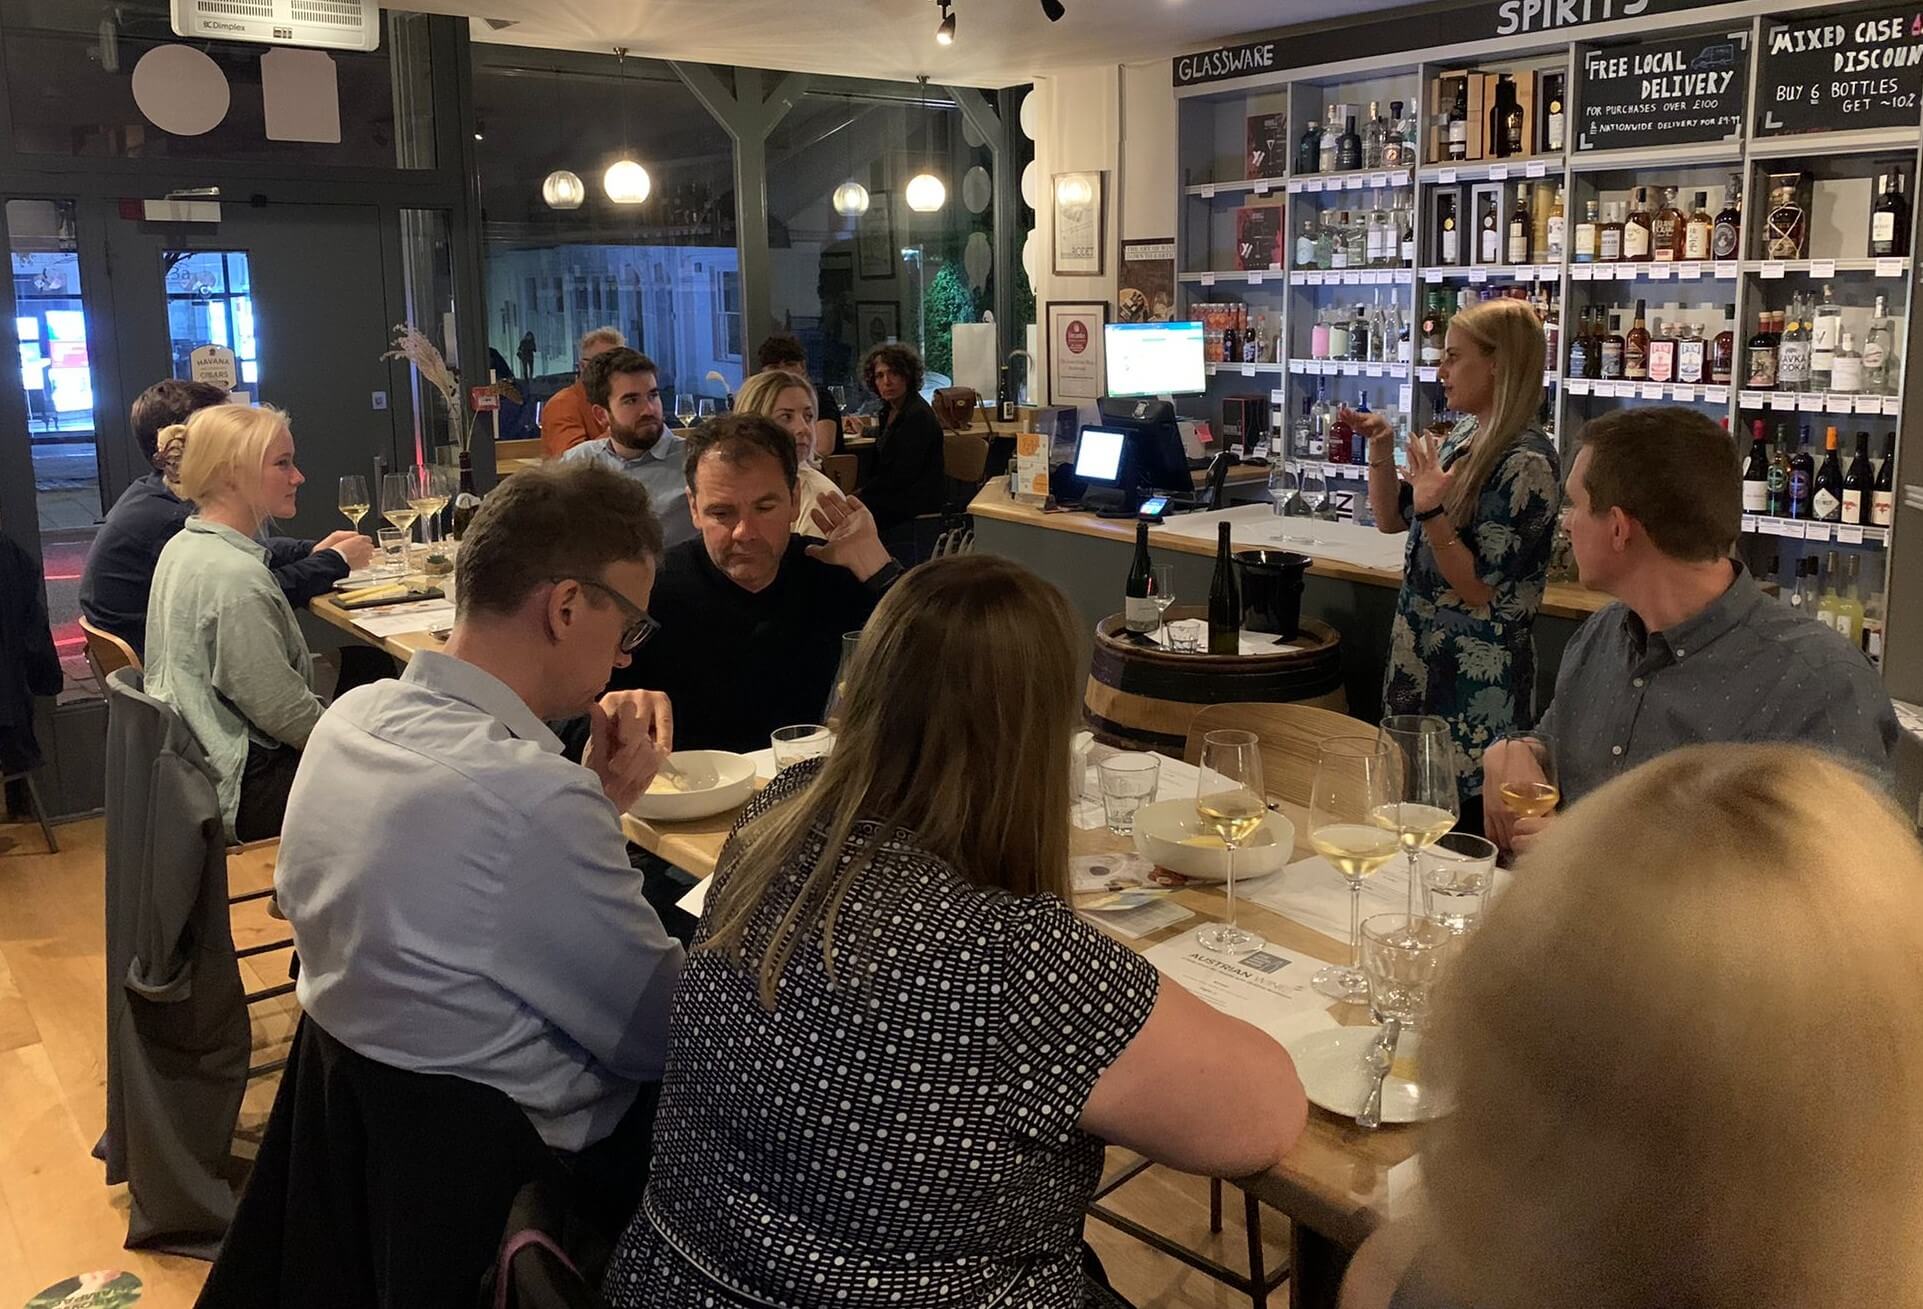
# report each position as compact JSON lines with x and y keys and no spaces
{"x":1354,"y":778}
{"x":1228,"y":801}
{"x":427,"y":494}
{"x":1424,"y":802}
{"x":1533,"y":797}
{"x":399,"y":514}
{"x":354,"y":502}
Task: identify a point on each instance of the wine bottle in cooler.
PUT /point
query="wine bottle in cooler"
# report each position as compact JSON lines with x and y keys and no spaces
{"x":1883,"y":494}
{"x":1225,"y":599}
{"x":1138,"y":602}
{"x":1756,"y":471}
{"x":1858,"y":484}
{"x":1826,"y":499}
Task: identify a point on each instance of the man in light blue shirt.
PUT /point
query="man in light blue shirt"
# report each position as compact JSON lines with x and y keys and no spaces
{"x":624,"y":387}
{"x":459,"y":893}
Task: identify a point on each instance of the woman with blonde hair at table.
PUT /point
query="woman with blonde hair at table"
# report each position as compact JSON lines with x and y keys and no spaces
{"x":1686,"y":1055}
{"x":790,"y":401}
{"x":223,"y":647}
{"x":896,"y":1053}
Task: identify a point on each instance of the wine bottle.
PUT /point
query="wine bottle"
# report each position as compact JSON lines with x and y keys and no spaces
{"x":1005,"y":399}
{"x":1138,"y":602}
{"x":1457,"y":132}
{"x":1756,"y":471}
{"x":1636,"y":349}
{"x":1858,"y":484}
{"x":1890,"y":218}
{"x":1802,"y":473}
{"x":1883,"y":494}
{"x":1225,"y":600}
{"x":466,"y":502}
{"x":1308,"y":150}
{"x":1778,"y":483}
{"x":1828,"y":601}
{"x":1826,"y":502}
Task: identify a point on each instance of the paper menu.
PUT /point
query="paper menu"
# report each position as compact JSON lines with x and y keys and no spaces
{"x":1268,"y":988}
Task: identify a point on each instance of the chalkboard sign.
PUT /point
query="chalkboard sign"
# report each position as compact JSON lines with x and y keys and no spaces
{"x":1843,"y":73}
{"x":1668,"y":92}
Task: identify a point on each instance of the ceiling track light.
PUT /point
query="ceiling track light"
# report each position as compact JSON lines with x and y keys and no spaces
{"x":1053,"y":10}
{"x":945,"y":32}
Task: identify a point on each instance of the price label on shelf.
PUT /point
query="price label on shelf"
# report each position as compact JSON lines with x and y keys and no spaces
{"x":1822,"y":268}
{"x":1384,"y":277}
{"x":1352,"y":183}
{"x":1315,"y":279}
{"x":1208,"y":279}
{"x":1581,"y":272}
{"x":1810,"y":402}
{"x":1535,"y":170}
{"x":1373,"y":370}
{"x":1248,"y":370}
{"x":1773,"y":269}
{"x":1625,"y":272}
{"x":1889,"y":268}
{"x":1892,"y":405}
{"x":1432,"y":274}
{"x":1727,"y":269}
{"x":1661,"y":272}
{"x":1749,"y":522}
{"x":1754,"y":399}
{"x":1781,"y":400}
{"x":1578,"y":386}
{"x":1811,"y":531}
{"x":1498,"y":172}
{"x":1446,"y":176}
{"x":1261,"y":188}
{"x":1406,"y":395}
{"x":1869,"y":404}
{"x":1651,"y":390}
{"x":1295,"y":188}
{"x":1848,"y":535}
{"x":1405,"y":276}
{"x":1312,"y":186}
{"x":1379,"y":180}
{"x":1478,"y":275}
{"x":1773,"y":527}
{"x":1684,"y":395}
{"x":1255,"y":279}
{"x":1208,"y":193}
{"x":1625,"y":390}
{"x":1689,"y":270}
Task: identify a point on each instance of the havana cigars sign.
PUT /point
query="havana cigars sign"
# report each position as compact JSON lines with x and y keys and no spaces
{"x":1419,"y":31}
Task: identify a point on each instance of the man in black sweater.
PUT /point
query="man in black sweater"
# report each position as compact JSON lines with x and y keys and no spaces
{"x":752,"y":615}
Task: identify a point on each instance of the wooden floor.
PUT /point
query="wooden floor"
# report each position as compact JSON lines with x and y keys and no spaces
{"x":58,"y":1218}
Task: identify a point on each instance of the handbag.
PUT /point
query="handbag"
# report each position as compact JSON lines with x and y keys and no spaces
{"x":955,"y":407}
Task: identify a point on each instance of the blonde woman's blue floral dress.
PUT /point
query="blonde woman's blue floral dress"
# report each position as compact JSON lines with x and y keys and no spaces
{"x":1475,"y":665}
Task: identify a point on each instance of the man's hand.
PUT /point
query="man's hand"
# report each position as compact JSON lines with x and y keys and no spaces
{"x":852,"y":541}
{"x":629,"y":733}
{"x":1510,"y":761}
{"x":356,"y":549}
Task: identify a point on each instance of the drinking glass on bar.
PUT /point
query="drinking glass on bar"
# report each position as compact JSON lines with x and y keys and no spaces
{"x":1228,"y":800}
{"x":1128,"y":781}
{"x":803,"y":741}
{"x":393,"y":543}
{"x":1457,"y":872}
{"x":1533,"y":797}
{"x":1352,"y":780}
{"x":1424,"y":804}
{"x":1403,"y":958}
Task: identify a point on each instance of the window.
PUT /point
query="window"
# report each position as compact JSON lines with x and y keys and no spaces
{"x":210,"y":302}
{"x":727,"y":321}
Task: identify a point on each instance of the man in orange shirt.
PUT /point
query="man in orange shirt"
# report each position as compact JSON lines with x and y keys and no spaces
{"x":569,"y":419}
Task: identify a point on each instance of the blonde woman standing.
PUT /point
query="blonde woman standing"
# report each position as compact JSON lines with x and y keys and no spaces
{"x":223,"y":647}
{"x":790,"y":401}
{"x":896,"y":1052}
{"x":1480,"y":506}
{"x":1686,"y":1064}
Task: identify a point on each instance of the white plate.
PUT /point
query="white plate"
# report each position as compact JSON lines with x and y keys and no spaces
{"x":1161,"y":827}
{"x":1333,"y":1068}
{"x":734,"y":781}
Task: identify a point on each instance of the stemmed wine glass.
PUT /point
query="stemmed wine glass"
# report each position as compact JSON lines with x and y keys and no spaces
{"x":705,"y":408}
{"x":1161,"y":589}
{"x":354,"y":502}
{"x":427,"y":491}
{"x":1423,"y":804}
{"x":1532,"y":797}
{"x":1228,"y":800}
{"x":395,"y":506}
{"x":1354,"y":779}
{"x":684,"y":411}
{"x":1315,"y":489}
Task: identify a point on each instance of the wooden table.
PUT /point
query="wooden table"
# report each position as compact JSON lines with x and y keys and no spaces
{"x":402,"y":646}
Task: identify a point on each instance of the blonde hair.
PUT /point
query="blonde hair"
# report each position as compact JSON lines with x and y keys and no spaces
{"x":1687,"y":1054}
{"x":225,"y":450}
{"x":762,"y":392}
{"x":954,"y":734}
{"x":608,"y":337}
{"x":1509,"y":333}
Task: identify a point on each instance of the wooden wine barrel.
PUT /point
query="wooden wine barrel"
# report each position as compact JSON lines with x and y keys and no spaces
{"x":1142,"y":698}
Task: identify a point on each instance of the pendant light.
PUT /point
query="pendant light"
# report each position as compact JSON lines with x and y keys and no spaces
{"x":626,"y":182}
{"x":563,"y":190}
{"x":925,"y":192}
{"x":851,"y":197}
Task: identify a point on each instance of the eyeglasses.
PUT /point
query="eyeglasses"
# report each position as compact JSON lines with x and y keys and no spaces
{"x":640,"y":624}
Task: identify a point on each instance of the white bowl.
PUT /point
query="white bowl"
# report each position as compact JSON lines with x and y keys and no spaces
{"x":724,"y":781}
{"x":1162,"y":827}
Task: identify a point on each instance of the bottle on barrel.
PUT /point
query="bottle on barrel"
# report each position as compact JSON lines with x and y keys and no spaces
{"x":466,"y":502}
{"x":1225,"y":599}
{"x":1138,"y":603}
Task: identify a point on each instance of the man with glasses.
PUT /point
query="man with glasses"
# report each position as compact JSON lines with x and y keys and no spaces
{"x":460,"y":893}
{"x":752,"y":614}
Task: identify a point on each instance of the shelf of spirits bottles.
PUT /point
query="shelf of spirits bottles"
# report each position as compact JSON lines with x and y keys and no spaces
{"x":1710,"y":393}
{"x":1249,"y":186}
{"x":1351,"y":276}
{"x":1821,"y":402}
{"x":1770,"y":269}
{"x":1689,"y":270}
{"x":1494,"y":170}
{"x":1807,"y":529}
{"x":1346,"y":368}
{"x":1820,"y":145}
{"x":1366,"y":179}
{"x":1244,"y":276}
{"x":1476,"y":274}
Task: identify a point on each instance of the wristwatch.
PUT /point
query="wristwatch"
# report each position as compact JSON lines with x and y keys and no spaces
{"x":884,"y":577}
{"x":1424,"y":515}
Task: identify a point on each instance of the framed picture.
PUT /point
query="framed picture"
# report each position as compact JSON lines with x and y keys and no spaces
{"x":1147,"y":292}
{"x":875,"y":238}
{"x":878,"y":321}
{"x":1077,"y":370}
{"x":1081,"y":202}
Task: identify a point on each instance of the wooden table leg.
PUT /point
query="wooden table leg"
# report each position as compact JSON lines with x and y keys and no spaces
{"x":1316,"y":1265}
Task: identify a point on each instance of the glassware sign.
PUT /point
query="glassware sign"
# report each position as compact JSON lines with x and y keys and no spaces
{"x":1668,"y":92}
{"x":1844,"y":72}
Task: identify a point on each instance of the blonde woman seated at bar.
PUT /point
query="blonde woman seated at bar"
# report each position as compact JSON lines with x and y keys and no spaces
{"x":1686,"y":1057}
{"x":223,"y":647}
{"x":896,"y":1053}
{"x":790,"y":401}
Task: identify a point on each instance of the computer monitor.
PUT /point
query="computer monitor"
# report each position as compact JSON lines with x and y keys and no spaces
{"x":1146,"y":359}
{"x":1155,"y":442}
{"x":1099,"y":456}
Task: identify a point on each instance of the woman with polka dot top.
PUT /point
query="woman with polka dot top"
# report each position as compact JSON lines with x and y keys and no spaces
{"x":896,"y":1054}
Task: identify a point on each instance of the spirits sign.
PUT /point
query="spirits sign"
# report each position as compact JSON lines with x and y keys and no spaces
{"x":1841,"y":73}
{"x":1669,"y":92}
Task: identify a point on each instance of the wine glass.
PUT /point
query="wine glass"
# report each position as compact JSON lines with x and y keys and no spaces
{"x":1161,"y":589}
{"x":354,"y":502}
{"x":1526,"y":796}
{"x":1315,"y":488}
{"x":840,"y":395}
{"x":1353,"y":779}
{"x":427,"y":493}
{"x":683,"y":410}
{"x":1424,"y":804}
{"x":704,"y":408}
{"x":1228,"y":800}
{"x":395,"y":508}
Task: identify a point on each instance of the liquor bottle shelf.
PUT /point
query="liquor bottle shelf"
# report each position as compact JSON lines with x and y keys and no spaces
{"x":1805,"y":529}
{"x":1821,"y":402}
{"x":1245,"y":276}
{"x":1646,"y":159}
{"x":1347,"y":368}
{"x":1770,"y":269}
{"x":1682,"y":270}
{"x":1493,"y":170}
{"x":1238,"y":187}
{"x":1351,"y":276}
{"x":1680,"y":392}
{"x":1366,"y":179}
{"x":1478,"y":273}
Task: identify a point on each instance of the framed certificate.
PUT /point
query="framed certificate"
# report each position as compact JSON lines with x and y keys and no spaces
{"x":1077,"y":369}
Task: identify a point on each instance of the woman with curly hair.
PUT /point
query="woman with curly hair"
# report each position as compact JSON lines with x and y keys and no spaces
{"x":908,"y":477}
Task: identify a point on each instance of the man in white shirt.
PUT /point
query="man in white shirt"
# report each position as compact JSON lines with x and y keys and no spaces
{"x":460,"y":894}
{"x":624,"y":388}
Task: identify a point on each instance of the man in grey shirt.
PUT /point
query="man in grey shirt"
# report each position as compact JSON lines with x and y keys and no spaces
{"x":460,"y":894}
{"x":1693,"y":650}
{"x":624,"y":387}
